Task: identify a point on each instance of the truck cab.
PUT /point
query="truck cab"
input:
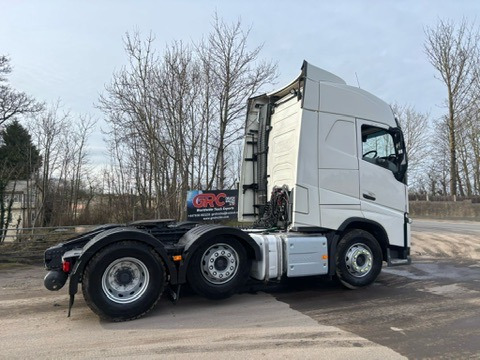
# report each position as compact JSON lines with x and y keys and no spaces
{"x":337,"y":149}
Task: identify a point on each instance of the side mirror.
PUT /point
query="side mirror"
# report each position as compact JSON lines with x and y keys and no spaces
{"x":401,"y":154}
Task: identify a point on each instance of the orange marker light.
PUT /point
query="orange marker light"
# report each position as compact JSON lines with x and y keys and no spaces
{"x":177,"y":257}
{"x":324,"y":257}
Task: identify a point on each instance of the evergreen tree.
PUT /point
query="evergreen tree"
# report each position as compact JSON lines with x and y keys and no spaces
{"x":19,"y":158}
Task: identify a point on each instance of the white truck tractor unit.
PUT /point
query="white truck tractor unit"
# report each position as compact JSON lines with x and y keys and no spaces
{"x":323,"y":181}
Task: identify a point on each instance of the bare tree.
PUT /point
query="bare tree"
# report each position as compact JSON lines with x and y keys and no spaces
{"x":178,"y":86}
{"x":439,"y":168}
{"x":472,"y":136}
{"x":130,"y":105}
{"x":48,"y":127}
{"x":453,"y":51}
{"x":79,"y":137}
{"x":63,"y":182}
{"x":236,"y":73}
{"x":5,"y":68}
{"x":174,"y":117}
{"x":13,"y":102}
{"x":468,"y":138}
{"x":416,"y":130}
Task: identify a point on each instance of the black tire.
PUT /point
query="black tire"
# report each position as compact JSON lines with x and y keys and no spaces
{"x":203,"y":281}
{"x":123,"y":281}
{"x":358,"y":259}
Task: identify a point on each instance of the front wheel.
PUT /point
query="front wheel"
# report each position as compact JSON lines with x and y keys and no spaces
{"x":358,"y":259}
{"x":123,"y":281}
{"x":218,"y":268}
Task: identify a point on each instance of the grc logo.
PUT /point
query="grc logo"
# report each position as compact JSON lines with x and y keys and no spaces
{"x":209,"y":200}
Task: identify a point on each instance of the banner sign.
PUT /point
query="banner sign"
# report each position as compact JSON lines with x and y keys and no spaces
{"x":212,"y":205}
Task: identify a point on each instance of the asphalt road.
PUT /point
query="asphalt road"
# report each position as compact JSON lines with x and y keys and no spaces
{"x":454,"y":227}
{"x":430,"y":309}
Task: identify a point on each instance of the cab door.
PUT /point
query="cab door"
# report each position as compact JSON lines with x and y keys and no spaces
{"x":383,"y":198}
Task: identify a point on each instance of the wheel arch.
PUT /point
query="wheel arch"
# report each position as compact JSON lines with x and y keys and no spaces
{"x":112,"y":236}
{"x":194,"y":238}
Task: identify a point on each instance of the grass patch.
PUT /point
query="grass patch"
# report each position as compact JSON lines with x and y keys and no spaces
{"x":30,"y":251}
{"x":13,"y":265}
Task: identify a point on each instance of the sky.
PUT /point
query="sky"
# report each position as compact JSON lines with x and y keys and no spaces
{"x":68,"y":50}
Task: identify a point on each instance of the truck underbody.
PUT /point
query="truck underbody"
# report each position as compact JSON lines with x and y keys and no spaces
{"x":185,"y":251}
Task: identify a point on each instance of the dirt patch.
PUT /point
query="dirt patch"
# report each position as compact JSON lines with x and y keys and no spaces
{"x":34,"y":324}
{"x":438,"y":245}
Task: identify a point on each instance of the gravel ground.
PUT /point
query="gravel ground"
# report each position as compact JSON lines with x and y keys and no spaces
{"x":33,"y":322}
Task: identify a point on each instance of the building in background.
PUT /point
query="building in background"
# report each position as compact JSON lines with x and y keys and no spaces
{"x":22,"y":213}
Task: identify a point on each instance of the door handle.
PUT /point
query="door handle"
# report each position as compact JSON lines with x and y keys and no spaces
{"x":369,"y":196}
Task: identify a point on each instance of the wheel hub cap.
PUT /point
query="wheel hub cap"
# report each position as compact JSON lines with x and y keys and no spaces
{"x":125,"y":280}
{"x":219,"y":263}
{"x":359,"y":260}
{"x":124,"y":277}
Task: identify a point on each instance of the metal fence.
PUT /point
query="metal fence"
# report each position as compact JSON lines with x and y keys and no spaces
{"x":34,"y":233}
{"x":425,"y":197}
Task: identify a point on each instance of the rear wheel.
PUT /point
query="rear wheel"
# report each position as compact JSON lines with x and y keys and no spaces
{"x":123,"y":281}
{"x":218,"y":268}
{"x":358,"y":259}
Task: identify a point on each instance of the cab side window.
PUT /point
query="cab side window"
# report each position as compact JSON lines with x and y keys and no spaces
{"x":378,"y":147}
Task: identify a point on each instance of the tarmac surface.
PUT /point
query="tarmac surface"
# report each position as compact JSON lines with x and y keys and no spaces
{"x":430,"y":309}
